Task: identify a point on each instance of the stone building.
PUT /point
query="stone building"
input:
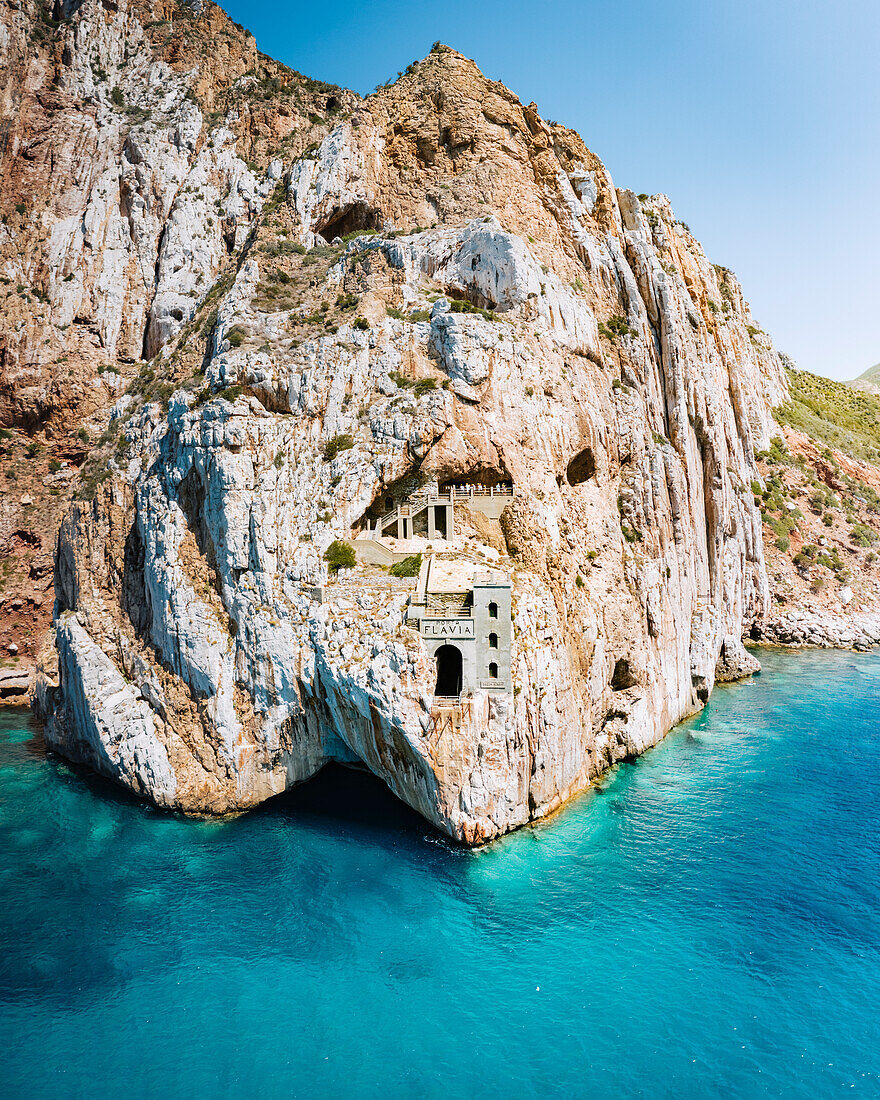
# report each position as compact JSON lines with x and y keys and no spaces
{"x":463,"y":615}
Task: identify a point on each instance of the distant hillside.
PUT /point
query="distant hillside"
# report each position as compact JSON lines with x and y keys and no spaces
{"x":869,"y":381}
{"x":830,"y":412}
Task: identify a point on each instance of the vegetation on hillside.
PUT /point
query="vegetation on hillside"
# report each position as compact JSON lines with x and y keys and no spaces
{"x":871,"y":375}
{"x":833,"y":413}
{"x":408,"y":567}
{"x":822,"y":519}
{"x":339,"y":555}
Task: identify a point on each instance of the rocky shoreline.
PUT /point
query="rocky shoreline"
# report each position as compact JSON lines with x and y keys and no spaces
{"x":17,"y":685}
{"x":798,"y":629}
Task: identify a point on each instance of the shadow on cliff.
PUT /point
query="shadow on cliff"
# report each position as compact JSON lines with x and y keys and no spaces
{"x":342,"y":799}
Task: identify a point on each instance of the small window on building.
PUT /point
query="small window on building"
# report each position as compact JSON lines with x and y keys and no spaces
{"x":493,"y":641}
{"x":493,"y":610}
{"x":493,"y":671}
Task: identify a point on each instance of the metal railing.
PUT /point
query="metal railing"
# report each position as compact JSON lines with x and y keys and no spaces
{"x":412,"y":507}
{"x":420,"y":499}
{"x":482,"y":491}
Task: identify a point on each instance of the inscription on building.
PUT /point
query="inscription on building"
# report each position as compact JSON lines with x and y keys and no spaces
{"x":447,"y":628}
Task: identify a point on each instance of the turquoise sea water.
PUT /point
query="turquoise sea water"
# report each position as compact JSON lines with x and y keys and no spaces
{"x":706,"y":924}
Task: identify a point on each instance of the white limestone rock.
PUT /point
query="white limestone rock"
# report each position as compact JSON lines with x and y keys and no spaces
{"x":633,"y":537}
{"x":104,"y":721}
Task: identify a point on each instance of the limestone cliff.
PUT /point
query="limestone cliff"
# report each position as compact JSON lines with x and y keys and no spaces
{"x":139,"y":141}
{"x":435,"y":285}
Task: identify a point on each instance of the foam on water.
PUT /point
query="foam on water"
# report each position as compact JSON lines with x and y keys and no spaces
{"x":705,"y":924}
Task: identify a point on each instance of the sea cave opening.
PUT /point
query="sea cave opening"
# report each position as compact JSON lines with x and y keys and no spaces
{"x":347,"y":795}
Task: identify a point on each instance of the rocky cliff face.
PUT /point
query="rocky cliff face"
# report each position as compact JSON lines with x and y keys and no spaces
{"x":139,"y":142}
{"x":312,"y":305}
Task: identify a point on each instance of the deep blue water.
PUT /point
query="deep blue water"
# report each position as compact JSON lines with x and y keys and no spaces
{"x":706,"y":924}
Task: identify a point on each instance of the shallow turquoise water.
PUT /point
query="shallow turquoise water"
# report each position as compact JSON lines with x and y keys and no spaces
{"x":708,"y":924}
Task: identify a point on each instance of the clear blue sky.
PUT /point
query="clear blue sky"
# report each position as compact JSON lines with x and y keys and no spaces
{"x":759,"y":118}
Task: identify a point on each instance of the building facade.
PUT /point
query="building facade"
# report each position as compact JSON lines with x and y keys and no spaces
{"x":463,"y":615}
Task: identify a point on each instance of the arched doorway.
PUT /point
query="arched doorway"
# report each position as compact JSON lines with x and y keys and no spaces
{"x":448,"y":658}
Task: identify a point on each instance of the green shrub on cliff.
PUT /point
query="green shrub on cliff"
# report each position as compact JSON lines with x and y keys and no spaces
{"x":339,"y":555}
{"x":284,"y":248}
{"x":614,"y":327}
{"x":409,"y":567}
{"x":461,"y":306}
{"x":862,"y":535}
{"x":335,"y":445}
